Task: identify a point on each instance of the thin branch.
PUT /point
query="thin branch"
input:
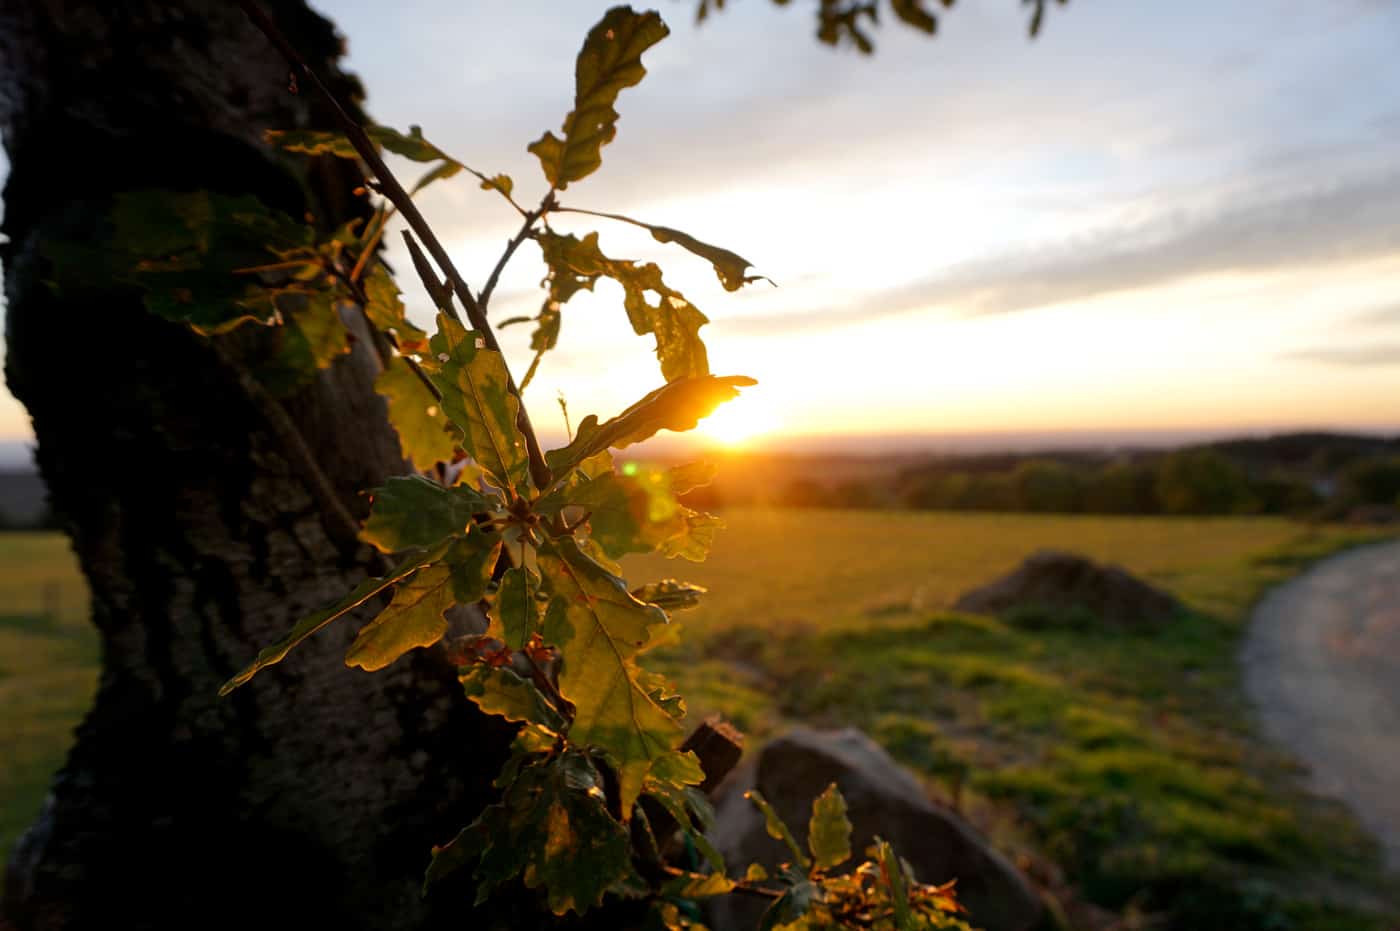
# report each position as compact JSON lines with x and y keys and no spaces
{"x":394,"y":191}
{"x":740,"y":885}
{"x":526,"y":229}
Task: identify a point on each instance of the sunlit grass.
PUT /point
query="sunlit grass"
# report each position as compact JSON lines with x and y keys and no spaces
{"x":1125,"y":758}
{"x":48,"y":670}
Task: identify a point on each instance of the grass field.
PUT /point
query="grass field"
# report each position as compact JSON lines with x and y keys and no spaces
{"x":48,"y":669}
{"x":1116,"y":764}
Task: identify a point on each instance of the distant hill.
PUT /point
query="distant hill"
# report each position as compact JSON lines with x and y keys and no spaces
{"x":23,"y":497}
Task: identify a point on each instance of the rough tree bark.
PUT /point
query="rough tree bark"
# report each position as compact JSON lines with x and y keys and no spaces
{"x":314,"y":794}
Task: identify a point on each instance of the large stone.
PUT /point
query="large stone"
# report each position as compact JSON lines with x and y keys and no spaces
{"x":885,"y":800}
{"x":1060,"y":583}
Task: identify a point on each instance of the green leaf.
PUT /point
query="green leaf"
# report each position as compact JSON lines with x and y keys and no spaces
{"x":312,"y":623}
{"x":693,"y":542}
{"x":692,"y":475}
{"x":449,"y":334}
{"x":697,"y":886}
{"x":440,"y":172}
{"x":755,"y":873}
{"x":670,"y":594}
{"x":777,"y":829}
{"x":575,"y":264}
{"x":188,"y":251}
{"x":797,"y":898}
{"x":670,"y":783}
{"x":311,"y":337}
{"x":411,"y":511}
{"x":610,"y":60}
{"x":530,"y":741}
{"x":477,"y":398}
{"x":330,"y":142}
{"x":515,"y":613}
{"x":501,"y":183}
{"x":729,"y":266}
{"x":499,"y":691}
{"x":629,"y":513}
{"x":413,"y":619}
{"x":829,"y":831}
{"x":599,"y":627}
{"x":425,"y":435}
{"x":660,"y":689}
{"x":472,"y":562}
{"x":892,"y":871}
{"x":677,"y":406}
{"x":385,"y":308}
{"x":552,"y":829}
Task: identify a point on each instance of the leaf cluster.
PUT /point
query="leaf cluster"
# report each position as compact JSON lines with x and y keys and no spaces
{"x":525,"y":539}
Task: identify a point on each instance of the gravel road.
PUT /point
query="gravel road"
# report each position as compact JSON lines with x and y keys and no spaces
{"x":1322,"y":667}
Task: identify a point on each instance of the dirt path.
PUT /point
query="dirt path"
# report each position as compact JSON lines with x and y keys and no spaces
{"x":1322,"y":666}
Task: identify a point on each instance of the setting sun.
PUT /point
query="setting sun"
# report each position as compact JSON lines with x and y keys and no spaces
{"x":738,"y":422}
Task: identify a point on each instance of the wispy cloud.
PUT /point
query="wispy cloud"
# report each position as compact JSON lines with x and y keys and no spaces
{"x":1313,"y":226}
{"x":1373,"y":356}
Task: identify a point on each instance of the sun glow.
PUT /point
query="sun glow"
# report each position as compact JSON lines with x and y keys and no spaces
{"x":739,"y":422}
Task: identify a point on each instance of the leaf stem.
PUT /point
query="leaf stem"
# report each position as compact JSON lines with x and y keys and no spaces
{"x":394,"y":191}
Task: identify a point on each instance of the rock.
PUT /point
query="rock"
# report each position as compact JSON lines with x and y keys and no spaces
{"x":1058,"y":583}
{"x":884,"y":799}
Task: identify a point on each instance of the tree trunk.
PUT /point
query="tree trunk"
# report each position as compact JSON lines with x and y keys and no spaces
{"x":313,"y":794}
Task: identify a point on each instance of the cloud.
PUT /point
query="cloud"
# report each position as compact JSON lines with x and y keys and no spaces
{"x":1246,"y":232}
{"x":1383,"y":315}
{"x":1374,"y":356}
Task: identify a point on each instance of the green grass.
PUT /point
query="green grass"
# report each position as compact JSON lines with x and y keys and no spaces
{"x":48,"y":670}
{"x":1122,"y":762}
{"x":1124,"y":758}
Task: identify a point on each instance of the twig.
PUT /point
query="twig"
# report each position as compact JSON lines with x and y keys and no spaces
{"x":394,"y":191}
{"x":526,"y":229}
{"x":740,"y":885}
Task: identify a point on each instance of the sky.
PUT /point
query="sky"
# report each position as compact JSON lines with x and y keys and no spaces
{"x":1172,"y":217}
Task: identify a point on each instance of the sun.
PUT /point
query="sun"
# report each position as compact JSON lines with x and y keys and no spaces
{"x":738,"y":423}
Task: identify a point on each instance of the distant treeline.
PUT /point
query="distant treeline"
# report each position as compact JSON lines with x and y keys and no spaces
{"x":1322,"y":475}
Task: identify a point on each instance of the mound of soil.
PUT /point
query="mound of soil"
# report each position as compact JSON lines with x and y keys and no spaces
{"x":1066,"y":585}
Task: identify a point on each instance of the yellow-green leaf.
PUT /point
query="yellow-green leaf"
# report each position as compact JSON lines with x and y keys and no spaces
{"x":499,"y":691}
{"x":677,"y":406}
{"x":515,"y":612}
{"x":694,"y":541}
{"x":610,"y":60}
{"x":425,"y":435}
{"x":413,"y":619}
{"x":314,"y":622}
{"x":476,"y":396}
{"x":599,"y":627}
{"x":670,"y":594}
{"x":829,"y":831}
